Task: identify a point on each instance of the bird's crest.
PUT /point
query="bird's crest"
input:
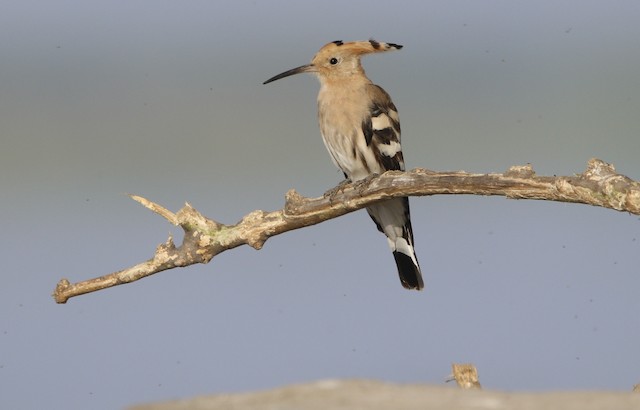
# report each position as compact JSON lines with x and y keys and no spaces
{"x":358,"y":47}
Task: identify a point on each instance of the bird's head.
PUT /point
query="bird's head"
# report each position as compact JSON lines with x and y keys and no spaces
{"x":339,"y":60}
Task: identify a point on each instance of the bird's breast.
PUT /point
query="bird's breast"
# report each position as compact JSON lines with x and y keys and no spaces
{"x":341,"y":113}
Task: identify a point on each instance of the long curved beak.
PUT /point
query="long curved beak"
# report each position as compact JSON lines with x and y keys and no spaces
{"x":307,"y":68}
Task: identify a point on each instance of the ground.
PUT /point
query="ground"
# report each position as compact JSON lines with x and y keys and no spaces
{"x":376,"y":395}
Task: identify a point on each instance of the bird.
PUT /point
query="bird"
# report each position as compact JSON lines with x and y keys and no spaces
{"x":360,"y":128}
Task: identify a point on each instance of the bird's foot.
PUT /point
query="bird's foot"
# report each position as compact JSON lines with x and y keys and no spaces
{"x":362,"y":184}
{"x":335,"y":190}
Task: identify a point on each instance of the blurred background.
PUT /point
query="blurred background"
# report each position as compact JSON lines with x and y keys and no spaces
{"x":164,"y":99}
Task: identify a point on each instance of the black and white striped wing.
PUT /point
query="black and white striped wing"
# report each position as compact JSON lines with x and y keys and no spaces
{"x":382,"y":135}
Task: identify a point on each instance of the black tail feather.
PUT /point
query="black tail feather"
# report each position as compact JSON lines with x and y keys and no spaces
{"x":410,"y":275}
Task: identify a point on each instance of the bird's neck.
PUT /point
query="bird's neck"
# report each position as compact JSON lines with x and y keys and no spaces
{"x":344,"y":99}
{"x":341,"y":85}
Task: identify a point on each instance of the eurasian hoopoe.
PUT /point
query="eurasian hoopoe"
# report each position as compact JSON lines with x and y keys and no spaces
{"x":361,"y":129}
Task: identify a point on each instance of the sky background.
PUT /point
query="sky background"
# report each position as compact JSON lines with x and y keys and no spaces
{"x":165,"y":100}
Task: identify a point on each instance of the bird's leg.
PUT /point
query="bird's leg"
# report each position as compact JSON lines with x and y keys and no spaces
{"x":361,"y":184}
{"x":331,"y":193}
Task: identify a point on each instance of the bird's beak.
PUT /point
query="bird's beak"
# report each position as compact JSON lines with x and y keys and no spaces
{"x":307,"y":68}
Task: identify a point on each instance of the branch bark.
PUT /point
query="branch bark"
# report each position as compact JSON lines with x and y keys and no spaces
{"x":598,"y":185}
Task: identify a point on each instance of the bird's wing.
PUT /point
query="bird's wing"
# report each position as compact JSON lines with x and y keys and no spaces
{"x":381,"y":130}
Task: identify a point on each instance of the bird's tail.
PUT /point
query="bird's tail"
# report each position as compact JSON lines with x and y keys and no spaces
{"x":392,"y":218}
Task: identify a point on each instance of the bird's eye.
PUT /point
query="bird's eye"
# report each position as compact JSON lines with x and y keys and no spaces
{"x":333,"y":61}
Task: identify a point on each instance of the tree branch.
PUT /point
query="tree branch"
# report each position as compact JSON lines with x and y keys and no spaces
{"x":204,"y":238}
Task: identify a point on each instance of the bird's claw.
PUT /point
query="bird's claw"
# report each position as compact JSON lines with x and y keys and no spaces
{"x":361,"y":184}
{"x":335,"y":190}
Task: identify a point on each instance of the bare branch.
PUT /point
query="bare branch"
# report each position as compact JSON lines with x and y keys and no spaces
{"x":204,"y":238}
